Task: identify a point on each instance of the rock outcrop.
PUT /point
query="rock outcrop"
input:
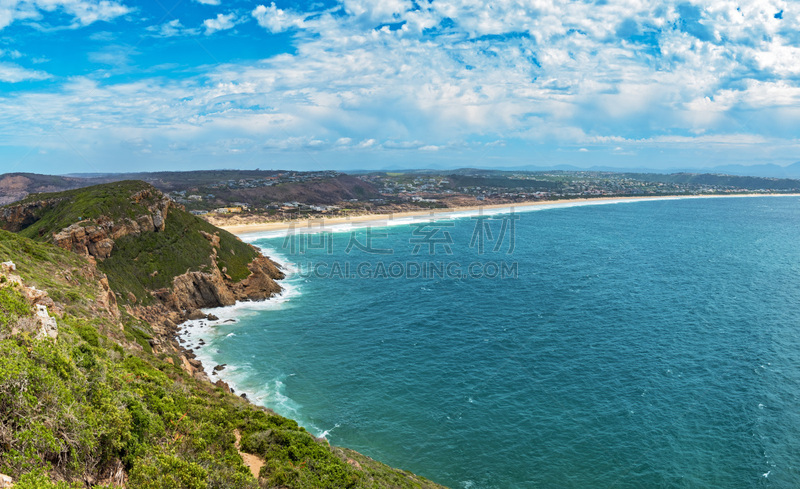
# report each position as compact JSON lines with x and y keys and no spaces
{"x":96,"y":238}
{"x":41,"y":325}
{"x":92,"y":222}
{"x":92,"y":237}
{"x":200,"y":290}
{"x":17,"y":217}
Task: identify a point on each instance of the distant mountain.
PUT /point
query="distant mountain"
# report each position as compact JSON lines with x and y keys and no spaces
{"x":765,"y":171}
{"x":16,"y":186}
{"x":327,"y":188}
{"x":769,"y":170}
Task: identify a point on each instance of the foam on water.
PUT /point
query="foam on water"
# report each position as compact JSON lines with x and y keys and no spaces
{"x":208,"y":338}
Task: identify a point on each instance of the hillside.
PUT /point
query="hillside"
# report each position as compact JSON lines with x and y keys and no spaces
{"x":142,"y":241}
{"x":81,"y":406}
{"x":162,"y":263}
{"x":256,"y":187}
{"x":17,"y":186}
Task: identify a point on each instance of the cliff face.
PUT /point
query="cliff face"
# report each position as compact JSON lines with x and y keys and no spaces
{"x":192,"y":291}
{"x":196,"y":290}
{"x":96,"y":238}
{"x":15,"y":218}
{"x":162,"y":263}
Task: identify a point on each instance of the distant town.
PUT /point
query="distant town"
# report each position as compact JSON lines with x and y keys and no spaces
{"x":222,"y":196}
{"x":397,"y":191}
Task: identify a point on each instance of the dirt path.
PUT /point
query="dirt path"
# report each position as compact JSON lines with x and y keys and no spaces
{"x":254,"y":462}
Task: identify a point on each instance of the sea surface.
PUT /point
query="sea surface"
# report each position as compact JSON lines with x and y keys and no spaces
{"x":650,"y":344}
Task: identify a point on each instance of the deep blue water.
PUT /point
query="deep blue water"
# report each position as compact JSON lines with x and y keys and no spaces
{"x":646,"y":344}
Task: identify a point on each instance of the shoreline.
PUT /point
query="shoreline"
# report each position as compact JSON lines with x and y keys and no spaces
{"x":189,"y":330}
{"x":443,"y":213}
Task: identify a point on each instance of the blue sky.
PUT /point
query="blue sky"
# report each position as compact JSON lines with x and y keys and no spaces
{"x":118,"y":85}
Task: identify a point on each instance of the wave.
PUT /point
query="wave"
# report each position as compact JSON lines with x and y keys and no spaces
{"x":206,"y":339}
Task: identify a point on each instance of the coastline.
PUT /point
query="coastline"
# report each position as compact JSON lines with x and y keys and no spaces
{"x":318,"y":224}
{"x":191,"y":331}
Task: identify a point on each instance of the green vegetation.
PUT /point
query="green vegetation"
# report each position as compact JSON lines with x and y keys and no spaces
{"x":112,"y":200}
{"x":150,"y":261}
{"x":66,"y":275}
{"x":79,"y":407}
{"x":13,"y":306}
{"x":87,"y":408}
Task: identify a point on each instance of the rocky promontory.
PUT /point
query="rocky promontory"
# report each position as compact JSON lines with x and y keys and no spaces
{"x":162,"y":263}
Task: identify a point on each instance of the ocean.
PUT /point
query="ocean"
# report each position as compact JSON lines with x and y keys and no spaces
{"x":625,"y":345}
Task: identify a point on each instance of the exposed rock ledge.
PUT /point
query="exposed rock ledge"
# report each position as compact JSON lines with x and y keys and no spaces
{"x":199,"y":290}
{"x":97,"y":239}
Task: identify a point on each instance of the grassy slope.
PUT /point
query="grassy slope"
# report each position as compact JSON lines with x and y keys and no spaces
{"x":49,"y":268}
{"x":111,"y":200}
{"x":180,"y":248}
{"x":74,"y":409}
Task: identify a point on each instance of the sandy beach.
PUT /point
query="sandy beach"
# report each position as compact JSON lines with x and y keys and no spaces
{"x":441,"y":213}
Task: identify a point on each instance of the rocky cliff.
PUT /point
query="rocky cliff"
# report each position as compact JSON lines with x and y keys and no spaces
{"x":96,"y":238}
{"x":162,"y":264}
{"x":15,"y":218}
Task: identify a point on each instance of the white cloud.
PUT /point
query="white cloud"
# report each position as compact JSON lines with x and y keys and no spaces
{"x":220,"y":23}
{"x":172,"y":28}
{"x":208,"y":2}
{"x":87,"y":12}
{"x":382,"y":11}
{"x":276,"y":20}
{"x":450,"y":72}
{"x":13,"y":73}
{"x":83,"y":12}
{"x":13,"y":54}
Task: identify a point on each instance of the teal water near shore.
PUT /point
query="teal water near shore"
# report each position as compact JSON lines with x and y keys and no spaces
{"x":646,"y":344}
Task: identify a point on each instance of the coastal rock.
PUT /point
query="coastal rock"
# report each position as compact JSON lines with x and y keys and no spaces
{"x":106,"y":298}
{"x":196,"y":290}
{"x":212,"y":238}
{"x":17,"y":217}
{"x":201,"y":376}
{"x":195,"y":314}
{"x":224,"y":385}
{"x":47,"y":324}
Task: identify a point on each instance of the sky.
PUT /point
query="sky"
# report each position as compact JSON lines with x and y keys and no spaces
{"x":121,"y":85}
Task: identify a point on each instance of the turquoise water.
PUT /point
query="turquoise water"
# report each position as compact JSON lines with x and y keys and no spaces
{"x":646,"y":344}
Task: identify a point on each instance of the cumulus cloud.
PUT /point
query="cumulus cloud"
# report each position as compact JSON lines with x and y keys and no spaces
{"x":172,"y":28}
{"x":220,"y":23}
{"x":276,"y":20}
{"x":437,"y":75}
{"x":13,"y":53}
